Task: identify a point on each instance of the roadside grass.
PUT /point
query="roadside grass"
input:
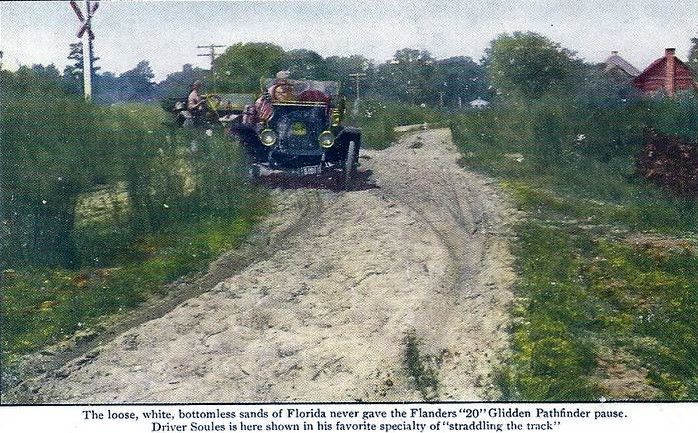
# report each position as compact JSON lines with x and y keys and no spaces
{"x":43,"y":305}
{"x":597,"y":314}
{"x":196,"y":206}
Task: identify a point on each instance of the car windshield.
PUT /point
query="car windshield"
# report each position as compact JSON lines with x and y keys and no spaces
{"x":329,"y":88}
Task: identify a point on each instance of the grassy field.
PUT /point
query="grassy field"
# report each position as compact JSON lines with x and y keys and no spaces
{"x":198,"y":206}
{"x":608,"y":290}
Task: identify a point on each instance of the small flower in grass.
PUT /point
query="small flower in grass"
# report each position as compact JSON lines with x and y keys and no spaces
{"x":581,"y":137}
{"x":165,"y":205}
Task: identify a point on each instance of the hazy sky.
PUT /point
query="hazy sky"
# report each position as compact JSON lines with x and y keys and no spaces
{"x":167,"y":32}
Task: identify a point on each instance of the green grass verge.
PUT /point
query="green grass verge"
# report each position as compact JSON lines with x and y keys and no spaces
{"x":591,"y":309}
{"x":597,"y":314}
{"x":200,"y":200}
{"x":41,"y":306}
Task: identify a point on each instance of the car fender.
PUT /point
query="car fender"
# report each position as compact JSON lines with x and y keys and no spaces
{"x":349,"y":133}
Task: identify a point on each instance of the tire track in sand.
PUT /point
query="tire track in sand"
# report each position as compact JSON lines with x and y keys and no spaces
{"x":324,"y":317}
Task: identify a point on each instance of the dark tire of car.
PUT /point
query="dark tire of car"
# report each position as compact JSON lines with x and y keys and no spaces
{"x":350,"y":166}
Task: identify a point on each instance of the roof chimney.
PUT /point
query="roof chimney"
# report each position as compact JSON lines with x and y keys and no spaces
{"x":670,"y":69}
{"x":614,"y":53}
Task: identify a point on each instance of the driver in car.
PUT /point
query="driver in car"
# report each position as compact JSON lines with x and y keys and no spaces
{"x":282,"y":89}
{"x":195,"y":102}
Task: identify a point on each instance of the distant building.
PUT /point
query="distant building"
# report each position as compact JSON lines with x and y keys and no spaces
{"x":618,"y":67}
{"x":667,"y":73}
{"x":479,"y":103}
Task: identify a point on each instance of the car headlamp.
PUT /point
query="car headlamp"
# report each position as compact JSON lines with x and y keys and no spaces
{"x":268,"y":137}
{"x":326,"y":139}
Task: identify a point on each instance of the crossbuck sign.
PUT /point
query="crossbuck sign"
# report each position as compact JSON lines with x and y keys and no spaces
{"x":85,"y":32}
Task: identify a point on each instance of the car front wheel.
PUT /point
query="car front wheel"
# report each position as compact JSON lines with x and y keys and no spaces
{"x":350,"y":166}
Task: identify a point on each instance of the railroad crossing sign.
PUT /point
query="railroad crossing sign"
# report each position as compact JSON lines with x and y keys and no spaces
{"x":85,"y":32}
{"x":91,"y":7}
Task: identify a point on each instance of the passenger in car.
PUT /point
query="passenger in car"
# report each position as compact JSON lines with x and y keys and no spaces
{"x":282,"y":89}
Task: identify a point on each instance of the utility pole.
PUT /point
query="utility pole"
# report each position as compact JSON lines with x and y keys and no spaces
{"x":85,"y":32}
{"x":212,"y":55}
{"x":358,"y":76}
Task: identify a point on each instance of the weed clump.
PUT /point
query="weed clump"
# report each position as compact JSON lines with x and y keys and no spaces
{"x":420,"y":368}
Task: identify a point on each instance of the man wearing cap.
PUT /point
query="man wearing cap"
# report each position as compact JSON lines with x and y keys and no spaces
{"x":195,"y":103}
{"x":281,"y":89}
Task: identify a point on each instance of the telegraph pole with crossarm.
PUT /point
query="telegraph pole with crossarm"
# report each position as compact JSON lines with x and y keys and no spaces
{"x":212,"y":55}
{"x":358,"y":76}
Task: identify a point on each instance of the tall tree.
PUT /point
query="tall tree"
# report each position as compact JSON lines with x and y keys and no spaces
{"x":406,"y":77}
{"x":241,"y":66}
{"x":528,"y":64}
{"x":49,"y":72}
{"x":693,"y":55}
{"x":305,"y":65}
{"x":178,"y":83}
{"x":72,"y":73}
{"x":137,"y":84}
{"x":459,"y":78}
{"x":339,"y":68}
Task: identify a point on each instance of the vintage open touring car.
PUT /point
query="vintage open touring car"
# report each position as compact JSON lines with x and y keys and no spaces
{"x":219,"y":109}
{"x":295,"y":126}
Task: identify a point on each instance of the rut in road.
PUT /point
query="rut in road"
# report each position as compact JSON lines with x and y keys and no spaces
{"x":388,"y":294}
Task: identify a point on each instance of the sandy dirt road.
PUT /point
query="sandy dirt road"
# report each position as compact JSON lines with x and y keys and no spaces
{"x":333,"y":309}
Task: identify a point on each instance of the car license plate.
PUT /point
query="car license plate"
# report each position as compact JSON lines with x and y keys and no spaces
{"x":311,"y":169}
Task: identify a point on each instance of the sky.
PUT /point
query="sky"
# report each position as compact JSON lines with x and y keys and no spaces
{"x":166,"y":33}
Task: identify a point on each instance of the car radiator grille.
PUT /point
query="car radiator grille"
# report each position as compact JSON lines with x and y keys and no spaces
{"x":292,"y":142}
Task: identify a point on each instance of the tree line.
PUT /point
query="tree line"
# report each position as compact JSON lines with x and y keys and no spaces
{"x":410,"y":76}
{"x":524,"y":64}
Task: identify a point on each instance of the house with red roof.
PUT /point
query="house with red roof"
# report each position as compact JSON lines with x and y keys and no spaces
{"x":667,"y":73}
